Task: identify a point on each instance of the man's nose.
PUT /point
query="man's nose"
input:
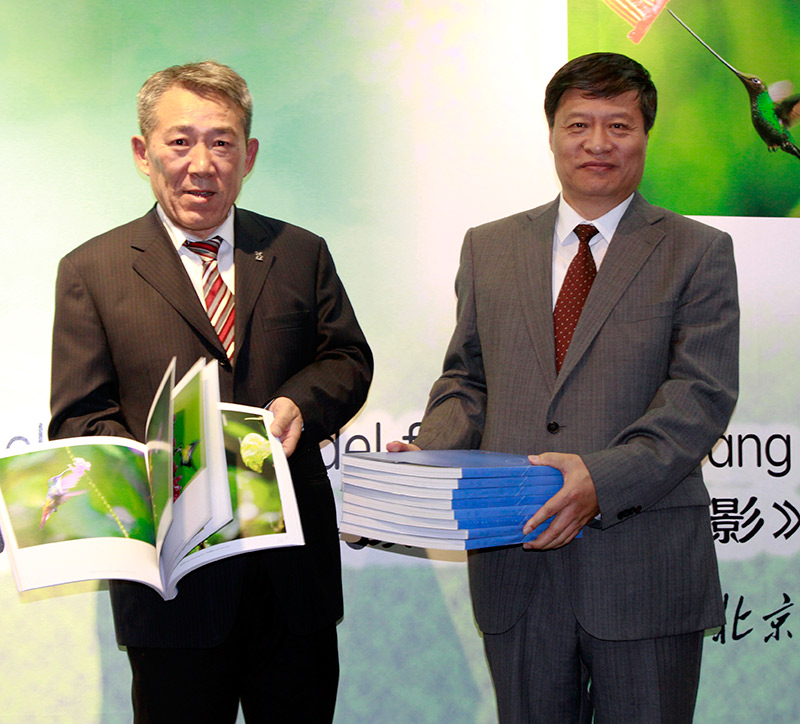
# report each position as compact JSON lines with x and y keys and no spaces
{"x":200,"y":160}
{"x":598,"y":140}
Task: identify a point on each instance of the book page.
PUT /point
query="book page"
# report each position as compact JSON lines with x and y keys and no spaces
{"x":73,"y":495}
{"x":265,"y":513}
{"x":158,"y":433}
{"x":191,"y":498}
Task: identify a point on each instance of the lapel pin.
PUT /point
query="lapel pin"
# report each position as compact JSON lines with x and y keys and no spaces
{"x":259,"y":256}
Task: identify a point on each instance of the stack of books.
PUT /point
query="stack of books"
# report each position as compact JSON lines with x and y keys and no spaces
{"x":444,"y":499}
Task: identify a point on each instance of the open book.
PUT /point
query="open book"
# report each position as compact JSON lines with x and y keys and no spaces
{"x":209,"y":482}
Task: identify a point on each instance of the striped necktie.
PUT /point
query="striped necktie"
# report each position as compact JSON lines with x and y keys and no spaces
{"x":577,"y":283}
{"x":218,"y":298}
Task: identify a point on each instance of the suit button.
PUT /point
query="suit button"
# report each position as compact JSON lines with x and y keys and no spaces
{"x":553,"y":427}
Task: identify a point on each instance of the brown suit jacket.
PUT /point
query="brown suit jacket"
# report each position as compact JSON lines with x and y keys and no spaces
{"x":647,"y":387}
{"x":125,"y":306}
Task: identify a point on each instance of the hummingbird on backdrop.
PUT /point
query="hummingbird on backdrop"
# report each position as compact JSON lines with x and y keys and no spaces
{"x":773,"y":110}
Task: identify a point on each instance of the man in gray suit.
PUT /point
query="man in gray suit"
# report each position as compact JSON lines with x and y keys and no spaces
{"x":258,"y":628}
{"x":626,"y":404}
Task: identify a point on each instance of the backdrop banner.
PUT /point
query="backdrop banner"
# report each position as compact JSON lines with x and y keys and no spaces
{"x":390,"y":128}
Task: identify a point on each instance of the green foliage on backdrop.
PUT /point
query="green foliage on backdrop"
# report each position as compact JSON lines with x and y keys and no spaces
{"x":705,"y":156}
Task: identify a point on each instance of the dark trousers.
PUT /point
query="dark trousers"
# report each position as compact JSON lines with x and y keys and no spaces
{"x":278,"y":676}
{"x":547,"y":669}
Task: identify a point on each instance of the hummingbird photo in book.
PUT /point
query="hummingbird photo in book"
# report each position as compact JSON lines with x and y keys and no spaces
{"x":59,"y":487}
{"x":186,"y":455}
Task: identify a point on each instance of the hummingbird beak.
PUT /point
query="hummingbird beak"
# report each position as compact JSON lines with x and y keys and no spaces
{"x":708,"y":47}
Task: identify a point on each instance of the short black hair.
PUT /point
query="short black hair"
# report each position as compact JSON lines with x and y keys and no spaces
{"x":603,"y":75}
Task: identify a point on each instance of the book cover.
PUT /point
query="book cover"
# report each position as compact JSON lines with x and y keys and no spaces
{"x":449,"y":464}
{"x":443,"y":512}
{"x":418,"y":498}
{"x":550,"y":477}
{"x":433,"y":532}
{"x":436,"y":543}
{"x":514,"y":489}
{"x":516,"y":518}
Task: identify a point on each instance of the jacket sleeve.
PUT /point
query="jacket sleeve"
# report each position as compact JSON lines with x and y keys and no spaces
{"x":456,"y":410}
{"x":84,"y":393}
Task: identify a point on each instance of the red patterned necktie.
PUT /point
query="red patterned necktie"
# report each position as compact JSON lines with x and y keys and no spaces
{"x":218,"y":298}
{"x":574,"y":290}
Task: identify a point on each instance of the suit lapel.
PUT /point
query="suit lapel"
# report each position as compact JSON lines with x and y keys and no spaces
{"x":253,"y":260}
{"x":534,"y":256}
{"x":159,"y":265}
{"x":633,"y":242}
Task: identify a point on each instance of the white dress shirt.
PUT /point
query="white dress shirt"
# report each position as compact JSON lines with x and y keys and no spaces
{"x":192,"y":262}
{"x":565,"y":243}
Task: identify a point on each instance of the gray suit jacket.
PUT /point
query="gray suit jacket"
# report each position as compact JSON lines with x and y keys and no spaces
{"x":125,"y":306}
{"x":647,"y":387}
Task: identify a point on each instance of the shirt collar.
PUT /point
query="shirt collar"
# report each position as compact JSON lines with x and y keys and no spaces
{"x":178,"y":236}
{"x":567,"y":219}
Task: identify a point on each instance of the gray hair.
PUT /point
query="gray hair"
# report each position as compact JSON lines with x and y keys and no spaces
{"x":207,"y":79}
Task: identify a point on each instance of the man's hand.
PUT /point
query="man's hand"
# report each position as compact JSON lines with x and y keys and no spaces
{"x":288,"y":423}
{"x":573,"y":506}
{"x":397,"y":446}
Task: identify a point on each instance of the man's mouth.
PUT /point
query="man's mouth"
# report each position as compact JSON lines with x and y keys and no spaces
{"x":200,"y":194}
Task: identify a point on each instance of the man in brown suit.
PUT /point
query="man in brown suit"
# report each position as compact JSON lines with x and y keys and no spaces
{"x":258,"y":628}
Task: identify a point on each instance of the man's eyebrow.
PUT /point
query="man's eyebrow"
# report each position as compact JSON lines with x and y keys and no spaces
{"x":188,"y":128}
{"x":615,"y":115}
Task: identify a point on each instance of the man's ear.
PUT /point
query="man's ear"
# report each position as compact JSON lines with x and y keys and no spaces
{"x":139,"y":146}
{"x":250,"y":157}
